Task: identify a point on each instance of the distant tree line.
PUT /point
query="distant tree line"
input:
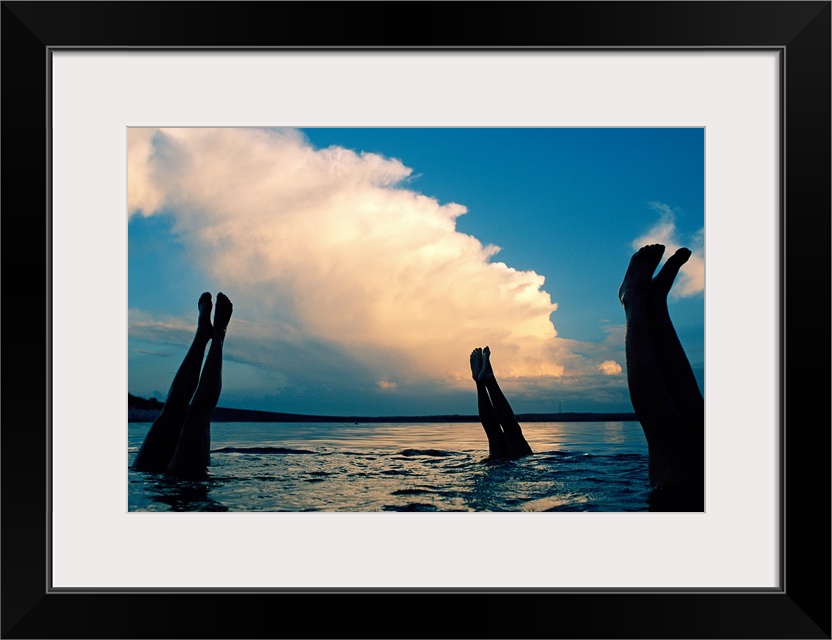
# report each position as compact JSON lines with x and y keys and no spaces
{"x":224,"y":414}
{"x":135,"y":402}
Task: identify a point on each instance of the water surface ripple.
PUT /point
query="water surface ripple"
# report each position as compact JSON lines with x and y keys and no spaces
{"x":304,"y":467}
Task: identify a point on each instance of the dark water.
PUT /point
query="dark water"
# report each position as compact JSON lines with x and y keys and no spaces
{"x":589,"y":466}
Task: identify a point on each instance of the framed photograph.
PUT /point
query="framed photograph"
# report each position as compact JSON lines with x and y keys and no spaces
{"x":120,"y":119}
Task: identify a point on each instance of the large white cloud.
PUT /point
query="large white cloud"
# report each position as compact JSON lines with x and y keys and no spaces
{"x":330,"y":247}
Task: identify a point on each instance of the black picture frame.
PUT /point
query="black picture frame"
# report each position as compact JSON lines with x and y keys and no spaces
{"x":799,"y":31}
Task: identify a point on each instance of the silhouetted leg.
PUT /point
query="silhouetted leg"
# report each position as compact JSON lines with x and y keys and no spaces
{"x":160,"y":442}
{"x":648,"y":393}
{"x":683,"y":390}
{"x":496,"y":439}
{"x":673,"y":458}
{"x":678,"y":374}
{"x":515,"y":442}
{"x":192,"y":455}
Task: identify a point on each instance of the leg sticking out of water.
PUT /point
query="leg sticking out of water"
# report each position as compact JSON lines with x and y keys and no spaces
{"x":496,"y":440}
{"x":192,"y":455}
{"x":677,"y":372}
{"x":516,"y":444}
{"x":160,"y":442}
{"x":663,"y":391}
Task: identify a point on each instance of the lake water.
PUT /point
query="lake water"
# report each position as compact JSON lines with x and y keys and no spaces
{"x":577,"y":466}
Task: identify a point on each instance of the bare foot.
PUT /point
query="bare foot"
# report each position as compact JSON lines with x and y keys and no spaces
{"x":222,"y":315}
{"x":476,"y":363}
{"x":203,"y":324}
{"x":660,"y":285}
{"x":486,"y":373}
{"x":640,"y":273}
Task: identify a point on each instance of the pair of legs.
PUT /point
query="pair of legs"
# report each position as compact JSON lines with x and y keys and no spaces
{"x":179,"y":439}
{"x":505,"y":438}
{"x":664,"y":392}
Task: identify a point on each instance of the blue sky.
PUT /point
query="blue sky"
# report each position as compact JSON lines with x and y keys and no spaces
{"x":365,"y":264}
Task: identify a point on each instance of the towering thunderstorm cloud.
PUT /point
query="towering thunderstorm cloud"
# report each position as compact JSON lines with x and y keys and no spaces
{"x":331,"y":247}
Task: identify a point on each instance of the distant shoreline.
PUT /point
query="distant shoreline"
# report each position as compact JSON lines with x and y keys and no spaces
{"x":141,"y":410}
